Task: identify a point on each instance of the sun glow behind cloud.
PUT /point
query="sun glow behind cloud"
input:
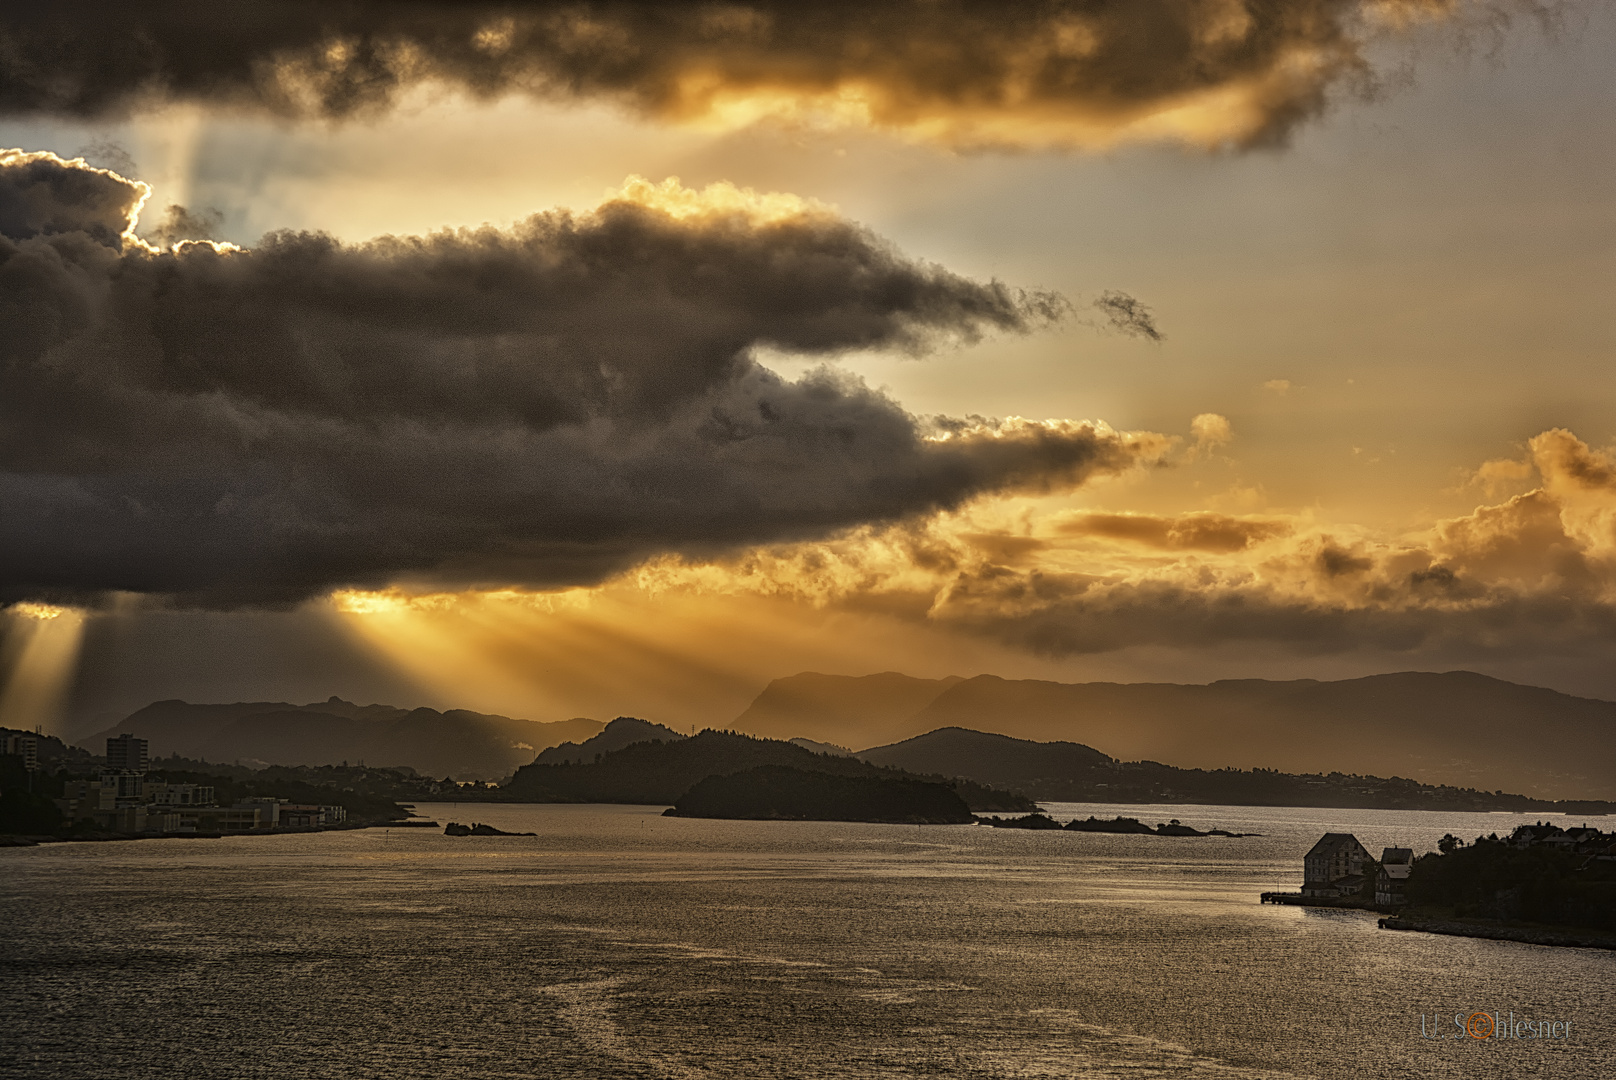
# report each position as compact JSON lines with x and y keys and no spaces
{"x":679,"y":655}
{"x":715,"y":200}
{"x":1026,"y":585}
{"x":38,"y":657}
{"x":547,"y":654}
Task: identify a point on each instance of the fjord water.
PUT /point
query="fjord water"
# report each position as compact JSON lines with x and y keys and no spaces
{"x":618,"y":943}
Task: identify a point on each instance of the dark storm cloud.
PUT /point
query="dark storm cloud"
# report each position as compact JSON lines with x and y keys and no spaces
{"x":181,"y":223}
{"x":1063,"y":618}
{"x":1125,"y":315}
{"x":39,"y":197}
{"x":537,"y":406}
{"x":1049,"y":71}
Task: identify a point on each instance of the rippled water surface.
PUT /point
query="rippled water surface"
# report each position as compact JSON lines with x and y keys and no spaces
{"x":618,"y":943}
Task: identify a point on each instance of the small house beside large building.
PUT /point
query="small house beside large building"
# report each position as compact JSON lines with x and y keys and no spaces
{"x":1338,"y":872}
{"x":1391,"y":880}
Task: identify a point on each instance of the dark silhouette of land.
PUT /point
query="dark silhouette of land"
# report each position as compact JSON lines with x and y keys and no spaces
{"x":457,"y":743}
{"x":1455,"y":728}
{"x":989,"y":758}
{"x":454,"y":828}
{"x":1494,"y":879}
{"x":775,"y":792}
{"x":1543,"y":893}
{"x":659,"y":772}
{"x":1097,"y":825}
{"x":624,"y":731}
{"x":1072,"y":772}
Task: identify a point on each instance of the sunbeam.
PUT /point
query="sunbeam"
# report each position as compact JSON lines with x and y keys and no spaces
{"x":39,"y":654}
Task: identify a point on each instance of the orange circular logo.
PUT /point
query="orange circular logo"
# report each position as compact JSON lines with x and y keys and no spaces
{"x":1479,"y":1025}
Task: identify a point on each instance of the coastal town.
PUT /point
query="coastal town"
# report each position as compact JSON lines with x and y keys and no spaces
{"x":127,"y":798}
{"x":124,"y":797}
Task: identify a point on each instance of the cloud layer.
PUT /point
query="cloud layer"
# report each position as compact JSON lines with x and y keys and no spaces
{"x":1020,"y":72}
{"x":1532,"y":575}
{"x":540,"y":406}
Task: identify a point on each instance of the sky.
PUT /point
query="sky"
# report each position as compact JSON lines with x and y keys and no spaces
{"x":556,"y":359}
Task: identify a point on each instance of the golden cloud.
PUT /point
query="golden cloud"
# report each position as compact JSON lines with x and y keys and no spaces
{"x":1530,"y":572}
{"x":1064,"y":73}
{"x":1200,"y":531}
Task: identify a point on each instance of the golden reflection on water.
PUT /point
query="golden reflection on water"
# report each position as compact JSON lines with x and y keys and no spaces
{"x":620,"y":943}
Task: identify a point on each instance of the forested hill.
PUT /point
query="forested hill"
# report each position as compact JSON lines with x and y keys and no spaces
{"x":777,"y":793}
{"x":659,"y":772}
{"x":624,"y":731}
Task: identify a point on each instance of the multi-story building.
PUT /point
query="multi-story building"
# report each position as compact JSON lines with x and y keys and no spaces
{"x":301,"y":816}
{"x":84,"y":798}
{"x":1334,"y":865}
{"x":137,"y":818}
{"x":269,"y":810}
{"x":23,"y":746}
{"x":179,"y":794}
{"x":219,"y":819}
{"x":128,"y":754}
{"x":128,"y":786}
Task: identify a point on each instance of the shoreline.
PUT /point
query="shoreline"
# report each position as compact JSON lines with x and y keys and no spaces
{"x":27,"y":840}
{"x":1293,"y":899}
{"x":1567,"y":808}
{"x":1530,"y":935}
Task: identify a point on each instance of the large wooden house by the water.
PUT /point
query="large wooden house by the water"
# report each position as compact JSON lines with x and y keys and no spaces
{"x":1334,"y":866}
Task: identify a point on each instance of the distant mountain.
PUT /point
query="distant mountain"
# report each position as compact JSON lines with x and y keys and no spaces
{"x":464,"y":745}
{"x":839,"y":708}
{"x":1455,"y":728}
{"x":661,"y":772}
{"x":624,"y":731}
{"x":1072,"y":772}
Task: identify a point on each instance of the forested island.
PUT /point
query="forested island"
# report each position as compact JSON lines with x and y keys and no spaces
{"x":454,"y":828}
{"x":777,"y":792}
{"x":662,"y":771}
{"x":1091,"y":824}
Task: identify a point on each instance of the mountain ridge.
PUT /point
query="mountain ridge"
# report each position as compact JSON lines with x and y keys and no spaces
{"x":1071,"y":772}
{"x":1458,"y":728}
{"x":458,"y":743}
